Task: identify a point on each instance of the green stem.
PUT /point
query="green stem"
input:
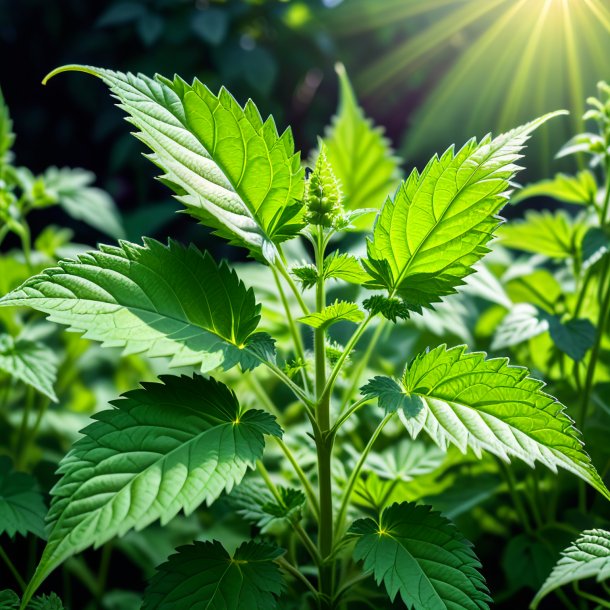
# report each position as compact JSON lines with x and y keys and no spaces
{"x":4,"y":231}
{"x":601,"y":324}
{"x":296,"y":390}
{"x":296,"y":573}
{"x":102,"y":575}
{"x":294,"y":330}
{"x":514,"y":493}
{"x":295,"y":289}
{"x":11,"y":566}
{"x":313,"y":500}
{"x":355,"y":407}
{"x":23,"y":428}
{"x":362,"y":364}
{"x":590,"y":597}
{"x":351,"y":483}
{"x":301,"y":533}
{"x":262,"y":395}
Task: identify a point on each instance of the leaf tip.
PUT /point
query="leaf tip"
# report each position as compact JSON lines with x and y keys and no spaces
{"x":71,"y":68}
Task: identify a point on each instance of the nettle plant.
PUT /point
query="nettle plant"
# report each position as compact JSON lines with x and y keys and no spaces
{"x":178,"y":443}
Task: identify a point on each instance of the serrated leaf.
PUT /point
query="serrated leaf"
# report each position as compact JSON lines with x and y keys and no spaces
{"x":30,"y":362}
{"x":9,"y":600}
{"x":553,"y":234}
{"x":587,"y":557}
{"x":389,"y":308}
{"x":204,"y":574}
{"x":390,"y":396}
{"x":164,"y":448}
{"x":22,"y":508}
{"x":421,"y":555}
{"x":231,"y":170}
{"x":256,"y":504}
{"x":488,"y":405}
{"x":339,"y":311}
{"x":360,"y":155}
{"x":169,"y":301}
{"x":428,"y":237}
{"x":306,"y":274}
{"x":346,"y":267}
{"x":579,"y":189}
{"x":46,"y":602}
{"x":72,"y":190}
{"x":573,"y":337}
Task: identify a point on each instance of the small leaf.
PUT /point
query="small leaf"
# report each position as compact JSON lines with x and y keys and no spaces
{"x":7,"y":137}
{"x":428,"y":237}
{"x":360,"y":155}
{"x":204,"y":574}
{"x":587,"y":557}
{"x":30,"y":362}
{"x":339,"y":311}
{"x":164,"y":448}
{"x":421,"y":555}
{"x":552,"y":234}
{"x":22,"y":508}
{"x":390,"y":396}
{"x":391,"y":309}
{"x":487,"y":405}
{"x":46,"y":602}
{"x":580,"y":189}
{"x":306,"y":274}
{"x":9,"y":600}
{"x":198,"y":314}
{"x":346,"y":267}
{"x":595,"y":246}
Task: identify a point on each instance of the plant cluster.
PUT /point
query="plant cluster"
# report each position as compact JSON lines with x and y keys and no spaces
{"x":284,"y":410}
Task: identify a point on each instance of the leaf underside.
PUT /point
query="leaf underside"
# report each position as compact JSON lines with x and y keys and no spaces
{"x":487,"y":405}
{"x":167,"y":301}
{"x":164,"y":448}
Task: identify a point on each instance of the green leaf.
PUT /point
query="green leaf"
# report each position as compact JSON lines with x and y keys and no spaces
{"x":158,"y":300}
{"x":257,"y":505}
{"x":524,"y":322}
{"x":553,"y":234}
{"x":71,"y":189}
{"x":428,"y":237}
{"x":587,"y":557}
{"x":421,"y":555}
{"x":231,"y":170}
{"x":580,"y":189}
{"x":164,"y":448}
{"x":30,"y":362}
{"x":204,"y":575}
{"x":390,"y":396}
{"x":46,"y":602}
{"x":487,"y":405}
{"x":391,"y":309}
{"x":22,"y":508}
{"x":539,"y":288}
{"x":595,"y":246}
{"x":527,"y":560}
{"x":336,"y":312}
{"x":9,"y":600}
{"x":360,"y":155}
{"x":7,"y":137}
{"x":346,"y":267}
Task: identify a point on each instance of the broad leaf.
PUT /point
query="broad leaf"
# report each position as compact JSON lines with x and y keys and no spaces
{"x":595,"y":246}
{"x":22,"y":508}
{"x":587,"y":557}
{"x":231,"y":170}
{"x":580,"y":189}
{"x":552,"y":234}
{"x":204,"y":575}
{"x":164,"y":448}
{"x":428,"y":237}
{"x":336,"y":312}
{"x":346,"y":267}
{"x":421,"y":555}
{"x":390,"y":396}
{"x":360,"y":155}
{"x":30,"y":362}
{"x":72,"y":190}
{"x":159,"y":300}
{"x":487,"y":405}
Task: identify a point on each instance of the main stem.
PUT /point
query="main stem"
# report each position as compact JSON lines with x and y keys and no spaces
{"x":323,"y":442}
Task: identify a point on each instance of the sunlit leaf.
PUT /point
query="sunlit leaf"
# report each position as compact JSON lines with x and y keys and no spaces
{"x":336,"y":312}
{"x":578,"y":189}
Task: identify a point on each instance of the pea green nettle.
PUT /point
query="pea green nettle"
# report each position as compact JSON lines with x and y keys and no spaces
{"x":186,"y":440}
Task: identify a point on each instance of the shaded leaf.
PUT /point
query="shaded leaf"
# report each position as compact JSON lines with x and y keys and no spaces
{"x":204,"y":574}
{"x":421,"y":555}
{"x":336,"y":312}
{"x":164,"y":448}
{"x":391,"y":396}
